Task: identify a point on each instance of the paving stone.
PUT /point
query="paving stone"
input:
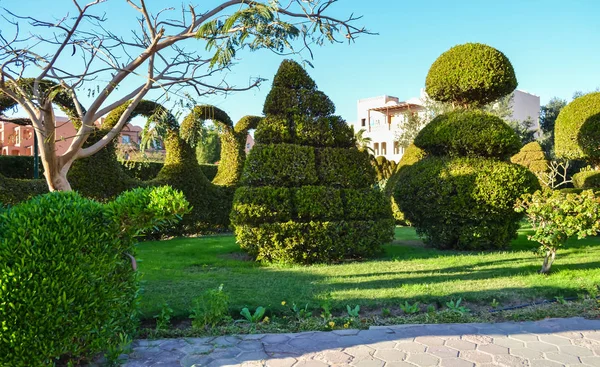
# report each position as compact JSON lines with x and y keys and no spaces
{"x":563,"y":358}
{"x":280,"y":362}
{"x":455,"y":362}
{"x":346,"y":332}
{"x":312,"y":363}
{"x":399,"y":364}
{"x":256,"y":355}
{"x":275,"y":339}
{"x":334,"y":357}
{"x":430,"y":340}
{"x":508,"y":343}
{"x":525,"y":337}
{"x":594,"y":335}
{"x":576,"y":351}
{"x":390,"y":355}
{"x":526,"y":353}
{"x":511,"y":361}
{"x":423,"y":360}
{"x":360,"y":352}
{"x":383,"y":345}
{"x":554,"y":340}
{"x":478,"y":339}
{"x":591,"y":361}
{"x":225,"y":341}
{"x":476,"y":356}
{"x":368,"y":362}
{"x":197,"y":349}
{"x":462,"y":329}
{"x":252,"y":364}
{"x":493,"y":349}
{"x":442,"y":352}
{"x":249,"y":345}
{"x":461,"y":344}
{"x":545,"y":363}
{"x":223,"y":363}
{"x":413,"y":347}
{"x":253,"y":336}
{"x":542,"y":347}
{"x":191,"y":360}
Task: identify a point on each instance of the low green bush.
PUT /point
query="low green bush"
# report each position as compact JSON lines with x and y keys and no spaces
{"x":280,"y":165}
{"x":586,"y":179}
{"x":468,"y":133}
{"x":142,"y":171}
{"x":342,"y":167}
{"x":312,"y":242}
{"x":463,"y":203}
{"x":68,"y":284}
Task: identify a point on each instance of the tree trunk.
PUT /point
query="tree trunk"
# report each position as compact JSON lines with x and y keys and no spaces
{"x":548,"y":260}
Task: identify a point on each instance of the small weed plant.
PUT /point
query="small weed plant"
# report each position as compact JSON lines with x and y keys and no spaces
{"x":455,"y":306}
{"x":409,"y":309}
{"x":210,"y":309}
{"x":353,"y":313}
{"x":163,"y":319}
{"x":255,"y":318}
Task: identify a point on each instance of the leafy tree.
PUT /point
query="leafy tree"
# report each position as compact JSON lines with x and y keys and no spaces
{"x":209,"y":148}
{"x":363,"y":142}
{"x":556,"y":217}
{"x":80,"y":55}
{"x":523,"y":129}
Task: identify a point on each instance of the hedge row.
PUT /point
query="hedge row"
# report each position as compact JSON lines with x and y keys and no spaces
{"x":145,"y":171}
{"x":255,"y":205}
{"x":14,"y":191}
{"x":19,"y":167}
{"x":295,"y":165}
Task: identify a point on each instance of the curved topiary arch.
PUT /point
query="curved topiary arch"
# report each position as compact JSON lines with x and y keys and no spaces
{"x":470,"y":75}
{"x":233,"y":140}
{"x":577,"y":129}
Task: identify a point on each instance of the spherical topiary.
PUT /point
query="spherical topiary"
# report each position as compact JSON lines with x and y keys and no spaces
{"x":587,"y":180}
{"x":577,"y":129}
{"x":532,"y":156}
{"x":463,"y":203}
{"x":472,"y":74}
{"x":306,"y":193}
{"x":468,"y":133}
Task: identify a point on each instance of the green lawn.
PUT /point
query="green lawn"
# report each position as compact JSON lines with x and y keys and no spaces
{"x":178,"y":270}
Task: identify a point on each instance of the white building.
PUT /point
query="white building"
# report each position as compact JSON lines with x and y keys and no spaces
{"x":382,"y":116}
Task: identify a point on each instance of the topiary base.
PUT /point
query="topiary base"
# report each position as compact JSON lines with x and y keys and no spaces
{"x":314,"y":242}
{"x":464,"y":203}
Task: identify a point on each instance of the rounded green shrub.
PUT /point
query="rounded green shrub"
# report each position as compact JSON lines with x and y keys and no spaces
{"x":68,"y":287}
{"x":472,"y":74}
{"x":306,"y":192}
{"x":577,"y":129}
{"x":586,"y":180}
{"x":533,"y":157}
{"x":468,"y":133}
{"x":463,"y":203}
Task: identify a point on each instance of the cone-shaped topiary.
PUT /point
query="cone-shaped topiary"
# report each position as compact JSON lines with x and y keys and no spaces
{"x":461,"y":195}
{"x":472,"y":74}
{"x":577,"y":129}
{"x":306,"y":192}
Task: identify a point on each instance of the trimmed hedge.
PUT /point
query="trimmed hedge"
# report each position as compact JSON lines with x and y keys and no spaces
{"x":472,"y":74}
{"x":344,"y":167}
{"x":577,"y":129}
{"x":14,"y":191}
{"x":532,"y":156}
{"x":384,"y":169}
{"x":304,"y":181}
{"x":19,"y":167}
{"x":69,"y":290}
{"x":469,"y":133}
{"x":145,"y":171}
{"x":586,"y":180}
{"x":280,"y":165}
{"x":312,"y":242}
{"x":464,"y":203}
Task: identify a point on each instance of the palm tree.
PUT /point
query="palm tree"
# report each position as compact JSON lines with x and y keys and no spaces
{"x":363,"y":142}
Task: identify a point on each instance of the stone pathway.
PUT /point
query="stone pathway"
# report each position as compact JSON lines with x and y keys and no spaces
{"x":547,"y":343}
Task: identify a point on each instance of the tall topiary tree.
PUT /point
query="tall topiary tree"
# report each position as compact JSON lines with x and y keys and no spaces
{"x":306,"y":191}
{"x":533,"y":157}
{"x":461,"y":195}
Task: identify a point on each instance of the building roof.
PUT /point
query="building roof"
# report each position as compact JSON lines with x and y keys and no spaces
{"x":397,"y":107}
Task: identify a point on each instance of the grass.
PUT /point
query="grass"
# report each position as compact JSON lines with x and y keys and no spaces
{"x":178,"y":270}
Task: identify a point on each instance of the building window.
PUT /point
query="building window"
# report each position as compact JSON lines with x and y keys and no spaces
{"x":376,"y":148}
{"x":383,"y":148}
{"x":363,"y":122}
{"x":126,"y":139}
{"x":396,"y":148}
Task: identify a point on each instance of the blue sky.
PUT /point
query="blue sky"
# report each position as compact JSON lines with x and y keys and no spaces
{"x":553,"y":46}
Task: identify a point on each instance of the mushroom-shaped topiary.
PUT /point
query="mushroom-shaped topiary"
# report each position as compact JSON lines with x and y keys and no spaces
{"x":577,"y":129}
{"x":532,"y":156}
{"x":470,"y":75}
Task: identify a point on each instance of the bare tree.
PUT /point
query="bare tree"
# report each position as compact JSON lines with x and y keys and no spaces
{"x":84,"y":52}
